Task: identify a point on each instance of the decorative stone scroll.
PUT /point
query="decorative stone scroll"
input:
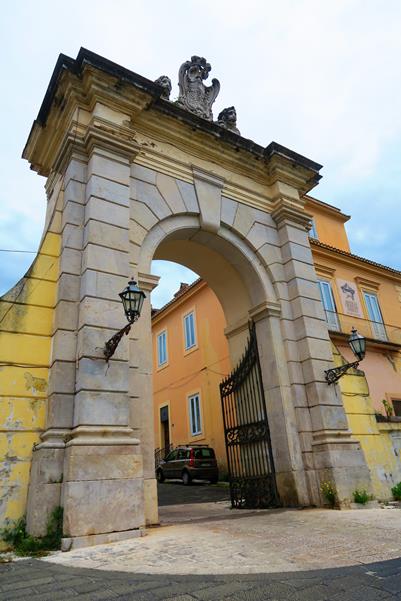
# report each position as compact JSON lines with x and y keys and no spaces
{"x":228,"y":119}
{"x":194,"y":96}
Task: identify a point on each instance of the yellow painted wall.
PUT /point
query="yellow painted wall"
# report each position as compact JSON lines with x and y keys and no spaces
{"x":375,"y":438}
{"x":198,"y":371}
{"x":26,"y":318}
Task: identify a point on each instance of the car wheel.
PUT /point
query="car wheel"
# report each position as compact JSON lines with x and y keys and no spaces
{"x":160,"y":476}
{"x":186,"y":478}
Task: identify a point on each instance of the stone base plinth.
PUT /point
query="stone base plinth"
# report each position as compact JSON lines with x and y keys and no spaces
{"x":339,"y":459}
{"x":78,"y":542}
{"x":103,"y":491}
{"x":44,"y":493}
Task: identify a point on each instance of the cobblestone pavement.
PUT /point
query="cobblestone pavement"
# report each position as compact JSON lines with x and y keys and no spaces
{"x":305,"y":555}
{"x":35,"y":580}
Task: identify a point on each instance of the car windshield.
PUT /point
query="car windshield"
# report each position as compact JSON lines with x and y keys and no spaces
{"x":204,"y":453}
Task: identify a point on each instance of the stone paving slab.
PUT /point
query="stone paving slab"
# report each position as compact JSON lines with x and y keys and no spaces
{"x":259,"y":542}
{"x":278,"y":555}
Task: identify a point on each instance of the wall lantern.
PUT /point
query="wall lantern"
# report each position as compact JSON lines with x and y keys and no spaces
{"x":358,"y":347}
{"x":132,"y":298}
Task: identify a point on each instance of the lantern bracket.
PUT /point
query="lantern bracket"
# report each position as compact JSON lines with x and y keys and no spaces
{"x":333,"y":375}
{"x":114,"y":341}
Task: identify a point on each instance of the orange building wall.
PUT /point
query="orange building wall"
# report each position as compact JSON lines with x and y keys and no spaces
{"x":199,"y":370}
{"x":382,"y":364}
{"x":329,"y":223}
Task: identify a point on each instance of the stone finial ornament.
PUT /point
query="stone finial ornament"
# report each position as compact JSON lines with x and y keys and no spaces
{"x":194,"y":96}
{"x":228,"y":119}
{"x":164,"y":82}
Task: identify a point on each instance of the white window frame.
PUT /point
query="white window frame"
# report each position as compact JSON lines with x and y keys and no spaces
{"x":313,"y":230}
{"x":159,"y":336}
{"x":192,"y":342}
{"x":331,"y":313}
{"x":375,"y":315}
{"x":195,"y":415}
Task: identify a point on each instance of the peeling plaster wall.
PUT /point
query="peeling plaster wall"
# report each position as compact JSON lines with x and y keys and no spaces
{"x":379,"y":441}
{"x":26,"y":320}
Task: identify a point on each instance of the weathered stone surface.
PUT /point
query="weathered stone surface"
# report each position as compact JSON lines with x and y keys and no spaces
{"x":104,"y":188}
{"x":113,"y":170}
{"x":108,"y":260}
{"x":74,"y":191}
{"x":228,"y":210}
{"x":150,"y":497}
{"x":70,"y":261}
{"x":80,"y":542}
{"x":143,"y":173}
{"x":102,"y":506}
{"x":151,"y":197}
{"x":103,"y":210}
{"x":102,"y":463}
{"x":112,"y":236}
{"x":189,"y":196}
{"x":62,"y":377}
{"x":141,"y":213}
{"x":96,"y":374}
{"x":169,"y":190}
{"x":97,"y":407}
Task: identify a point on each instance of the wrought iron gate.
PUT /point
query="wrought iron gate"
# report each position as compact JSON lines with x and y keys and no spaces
{"x":247,"y":435}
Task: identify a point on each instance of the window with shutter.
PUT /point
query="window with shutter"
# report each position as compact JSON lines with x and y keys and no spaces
{"x":326,"y":295}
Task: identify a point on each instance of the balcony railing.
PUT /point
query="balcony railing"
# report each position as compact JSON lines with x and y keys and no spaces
{"x":339,"y":322}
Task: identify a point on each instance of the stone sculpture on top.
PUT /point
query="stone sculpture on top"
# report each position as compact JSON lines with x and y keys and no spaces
{"x":194,"y":96}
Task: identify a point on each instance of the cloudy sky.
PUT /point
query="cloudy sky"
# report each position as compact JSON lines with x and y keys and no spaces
{"x":321,"y":78}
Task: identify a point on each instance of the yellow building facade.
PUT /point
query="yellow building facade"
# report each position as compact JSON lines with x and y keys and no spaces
{"x":352,"y":284}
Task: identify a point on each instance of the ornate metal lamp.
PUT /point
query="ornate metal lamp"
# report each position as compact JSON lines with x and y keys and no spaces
{"x":357,"y":343}
{"x":132,"y":298}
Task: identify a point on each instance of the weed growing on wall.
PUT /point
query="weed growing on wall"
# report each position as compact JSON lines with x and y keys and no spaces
{"x":329,"y":492}
{"x":396,"y":490}
{"x":23,"y":544}
{"x":361,"y":496}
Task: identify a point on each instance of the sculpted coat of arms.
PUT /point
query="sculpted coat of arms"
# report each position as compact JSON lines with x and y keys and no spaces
{"x":194,"y":96}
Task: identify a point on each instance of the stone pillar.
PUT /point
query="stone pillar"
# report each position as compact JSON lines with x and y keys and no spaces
{"x":328,"y":450}
{"x":103,"y":478}
{"x":289,"y":468}
{"x":141,"y":396}
{"x":48,"y":457}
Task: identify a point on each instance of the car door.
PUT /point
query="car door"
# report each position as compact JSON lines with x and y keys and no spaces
{"x":169,"y":464}
{"x":180,"y":462}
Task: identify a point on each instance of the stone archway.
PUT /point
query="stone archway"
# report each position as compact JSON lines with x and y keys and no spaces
{"x":125,"y":185}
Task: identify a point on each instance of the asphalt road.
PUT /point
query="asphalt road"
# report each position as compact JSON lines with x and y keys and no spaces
{"x":173,"y":492}
{"x":36,"y":580}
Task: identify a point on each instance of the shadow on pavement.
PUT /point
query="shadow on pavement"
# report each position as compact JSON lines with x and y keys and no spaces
{"x":173,"y":492}
{"x":38,"y":580}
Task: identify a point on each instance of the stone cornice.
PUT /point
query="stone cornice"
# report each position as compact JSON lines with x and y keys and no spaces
{"x":287,"y":212}
{"x":77,"y":85}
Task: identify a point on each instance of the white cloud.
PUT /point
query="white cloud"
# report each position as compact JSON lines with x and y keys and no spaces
{"x":318,"y":77}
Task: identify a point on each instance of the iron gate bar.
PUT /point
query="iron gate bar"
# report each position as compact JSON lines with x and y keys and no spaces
{"x":247,"y":435}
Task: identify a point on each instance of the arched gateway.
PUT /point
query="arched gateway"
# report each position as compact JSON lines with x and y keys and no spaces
{"x":133,"y":177}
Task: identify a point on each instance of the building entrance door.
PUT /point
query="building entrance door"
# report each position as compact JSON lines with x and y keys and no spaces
{"x":247,"y":436}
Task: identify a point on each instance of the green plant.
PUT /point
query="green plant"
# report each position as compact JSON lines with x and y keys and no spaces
{"x":361,"y":496}
{"x":388,"y":408}
{"x":396,"y":490}
{"x":329,"y":492}
{"x":22,"y":543}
